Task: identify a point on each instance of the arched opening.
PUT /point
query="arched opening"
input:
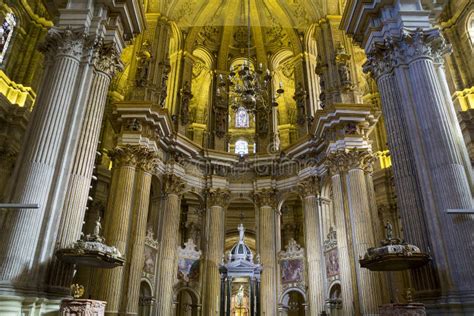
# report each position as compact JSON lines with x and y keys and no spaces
{"x":291,"y":221}
{"x":293,"y":303}
{"x":146,"y":299}
{"x":187,"y":303}
{"x":335,"y":300}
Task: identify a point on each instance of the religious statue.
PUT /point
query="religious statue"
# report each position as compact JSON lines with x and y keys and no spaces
{"x":186,"y":96}
{"x":143,"y":61}
{"x":389,"y":231}
{"x":240,"y":296}
{"x":97,"y":228}
{"x":241,"y":232}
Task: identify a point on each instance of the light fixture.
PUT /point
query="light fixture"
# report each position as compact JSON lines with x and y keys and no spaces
{"x":248,"y":87}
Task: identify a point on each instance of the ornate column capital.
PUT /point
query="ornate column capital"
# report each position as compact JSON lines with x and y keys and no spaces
{"x":146,"y":159}
{"x":64,"y":41}
{"x":173,"y":184}
{"x":309,"y":187}
{"x":218,"y":197}
{"x":383,"y":57}
{"x":349,"y":159}
{"x":265,"y":197}
{"x":107,"y":58}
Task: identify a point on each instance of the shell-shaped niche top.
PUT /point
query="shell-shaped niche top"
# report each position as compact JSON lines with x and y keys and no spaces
{"x":241,"y":251}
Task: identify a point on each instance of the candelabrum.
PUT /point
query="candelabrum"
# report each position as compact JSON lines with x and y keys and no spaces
{"x":248,"y":88}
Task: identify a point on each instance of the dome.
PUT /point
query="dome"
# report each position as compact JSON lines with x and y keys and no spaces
{"x":241,"y":251}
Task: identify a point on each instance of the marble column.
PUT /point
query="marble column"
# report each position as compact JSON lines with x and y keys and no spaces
{"x":217,"y":202}
{"x":407,"y":65}
{"x":136,"y":253}
{"x":117,"y":222}
{"x":309,"y":190}
{"x":169,"y":244}
{"x":40,"y":155}
{"x":106,"y":62}
{"x":267,"y":249}
{"x":349,"y":292}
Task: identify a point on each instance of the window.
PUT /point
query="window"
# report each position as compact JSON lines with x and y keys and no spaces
{"x":470,"y":28}
{"x":241,"y":147}
{"x":241,"y":118}
{"x":6,"y":32}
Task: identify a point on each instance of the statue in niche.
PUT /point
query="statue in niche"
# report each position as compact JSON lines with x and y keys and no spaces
{"x":389,"y":231}
{"x":143,"y":64}
{"x":97,"y":227}
{"x":342,"y":63}
{"x":300,"y":98}
{"x":319,"y":70}
{"x":240,"y":296}
{"x":164,"y":82}
{"x":186,"y":97}
{"x":221,"y":115}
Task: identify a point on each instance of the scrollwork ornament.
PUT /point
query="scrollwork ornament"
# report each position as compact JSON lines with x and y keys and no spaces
{"x":173,"y":184}
{"x":146,"y":159}
{"x":107,"y":59}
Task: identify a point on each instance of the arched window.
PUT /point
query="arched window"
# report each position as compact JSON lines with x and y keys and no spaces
{"x":470,"y":28}
{"x":241,"y":147}
{"x":241,"y":118}
{"x":6,"y":32}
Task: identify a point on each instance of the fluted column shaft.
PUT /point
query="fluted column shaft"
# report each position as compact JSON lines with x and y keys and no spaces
{"x":344,"y":248}
{"x":267,"y":250}
{"x":409,"y":198}
{"x":40,"y":155}
{"x":83,"y":164}
{"x":218,"y":200}
{"x":169,"y":246}
{"x":117,"y":223}
{"x":313,"y":245}
{"x":369,"y":283}
{"x":137,"y":238}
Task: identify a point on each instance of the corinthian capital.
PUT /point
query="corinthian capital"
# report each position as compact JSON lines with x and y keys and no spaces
{"x":173,"y":184}
{"x":218,"y":197}
{"x":410,"y":45}
{"x":64,"y":41}
{"x":266,"y":197}
{"x":107,"y":59}
{"x":146,"y":159}
{"x":124,"y":155}
{"x":345,"y":160}
{"x":309,"y":187}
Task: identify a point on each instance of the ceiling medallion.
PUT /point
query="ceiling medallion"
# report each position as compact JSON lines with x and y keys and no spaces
{"x":248,"y":87}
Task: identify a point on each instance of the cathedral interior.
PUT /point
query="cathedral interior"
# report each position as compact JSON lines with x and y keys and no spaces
{"x":236,"y":157}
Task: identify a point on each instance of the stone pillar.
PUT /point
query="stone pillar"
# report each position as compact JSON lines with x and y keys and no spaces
{"x":406,"y":66}
{"x":169,"y":245}
{"x":218,"y":200}
{"x":117,"y":222}
{"x":106,"y":63}
{"x":350,"y":305}
{"x":309,"y":189}
{"x":136,"y":253}
{"x":267,"y":249}
{"x":40,"y":156}
{"x":352,"y":165}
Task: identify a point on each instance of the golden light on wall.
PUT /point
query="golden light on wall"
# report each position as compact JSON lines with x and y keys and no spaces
{"x":384,"y":159}
{"x":16,"y":93}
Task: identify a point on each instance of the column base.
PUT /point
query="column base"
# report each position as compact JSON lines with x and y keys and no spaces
{"x":16,"y":305}
{"x":82,"y":307}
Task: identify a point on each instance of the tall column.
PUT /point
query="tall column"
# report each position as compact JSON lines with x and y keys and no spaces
{"x":406,"y":66}
{"x":313,"y":243}
{"x":352,"y":164}
{"x":267,"y":249}
{"x":40,"y":156}
{"x":117,"y":222}
{"x":136,"y":254}
{"x":218,"y":200}
{"x":350,"y":305}
{"x":106,"y":62}
{"x":169,"y":244}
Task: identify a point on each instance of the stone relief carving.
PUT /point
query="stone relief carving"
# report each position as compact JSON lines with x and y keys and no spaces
{"x":342,"y":60}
